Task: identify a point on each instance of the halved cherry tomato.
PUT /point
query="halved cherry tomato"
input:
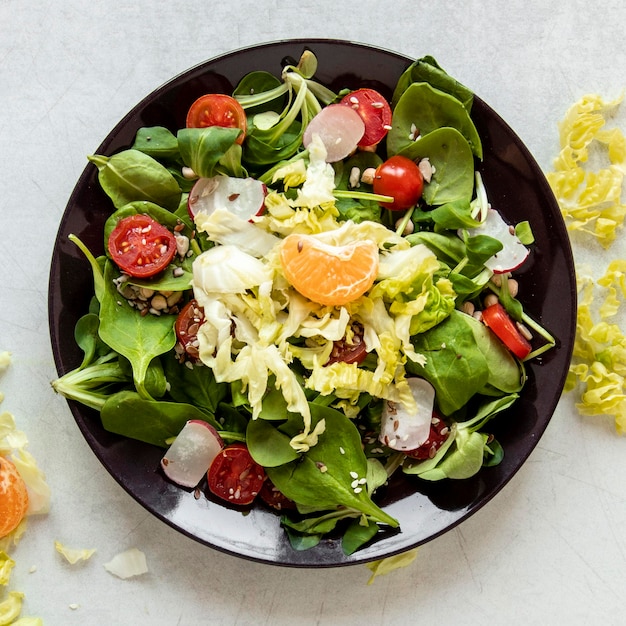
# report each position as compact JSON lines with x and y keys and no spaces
{"x":235,"y":476}
{"x":496,"y":317}
{"x":217,"y":109}
{"x":349,"y":352}
{"x":374,"y":111}
{"x":274,"y":498}
{"x":140,"y":246}
{"x":439,"y":432}
{"x":400,"y":178}
{"x":186,"y":327}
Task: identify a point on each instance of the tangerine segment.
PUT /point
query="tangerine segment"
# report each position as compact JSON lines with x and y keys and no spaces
{"x":13,"y":497}
{"x":327,"y":274}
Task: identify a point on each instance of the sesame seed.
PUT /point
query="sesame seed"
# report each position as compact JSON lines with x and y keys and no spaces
{"x":354,"y":475}
{"x":354,"y":484}
{"x":341,"y":450}
{"x":358,"y":490}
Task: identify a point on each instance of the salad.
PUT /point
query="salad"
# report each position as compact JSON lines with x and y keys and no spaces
{"x":304,"y":291}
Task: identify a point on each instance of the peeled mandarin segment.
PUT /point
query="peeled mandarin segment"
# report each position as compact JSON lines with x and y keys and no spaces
{"x":13,"y":497}
{"x":326,"y":274}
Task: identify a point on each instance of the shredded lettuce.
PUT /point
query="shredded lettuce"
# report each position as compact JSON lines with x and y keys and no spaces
{"x":588,"y":181}
{"x":598,"y":368}
{"x":6,"y":565}
{"x":253,"y":315}
{"x":10,"y":608}
{"x":391,"y":563}
{"x":590,"y":199}
{"x":74,"y":555}
{"x":126,"y":564}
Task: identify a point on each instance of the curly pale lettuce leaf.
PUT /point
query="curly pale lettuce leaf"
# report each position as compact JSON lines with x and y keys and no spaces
{"x":10,"y":608}
{"x":390,"y":564}
{"x":598,"y":367}
{"x":590,"y":199}
{"x":127,"y":564}
{"x":74,"y":555}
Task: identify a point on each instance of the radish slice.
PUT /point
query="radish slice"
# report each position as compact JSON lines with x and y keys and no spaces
{"x":401,"y":430}
{"x":513,"y":253}
{"x":339,"y":127}
{"x":244,"y":197}
{"x":192,"y":452}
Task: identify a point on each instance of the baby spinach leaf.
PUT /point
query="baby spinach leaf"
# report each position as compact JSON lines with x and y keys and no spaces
{"x":504,"y":370}
{"x":202,"y":148}
{"x":428,"y":109}
{"x":132,"y":175}
{"x":454,"y":215}
{"x":88,"y":340}
{"x":263,"y":88}
{"x":455,"y":366}
{"x":451,"y":155}
{"x":157,"y":142}
{"x":96,"y":264}
{"x":195,"y":385}
{"x":301,"y":542}
{"x":267,"y":445}
{"x":463,"y":460}
{"x":322,"y":478}
{"x":152,"y":421}
{"x":138,"y":338}
{"x":427,"y":70}
{"x":357,"y":535}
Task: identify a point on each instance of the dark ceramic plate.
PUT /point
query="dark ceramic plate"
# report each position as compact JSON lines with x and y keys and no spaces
{"x":516,"y":186}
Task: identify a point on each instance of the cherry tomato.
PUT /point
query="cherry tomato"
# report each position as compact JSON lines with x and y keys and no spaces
{"x":439,"y":432}
{"x":217,"y":109}
{"x":349,"y":352}
{"x":496,"y":317}
{"x":140,"y":246}
{"x":235,"y":476}
{"x":374,"y":111}
{"x":399,"y":177}
{"x":186,"y":326}
{"x":274,"y":498}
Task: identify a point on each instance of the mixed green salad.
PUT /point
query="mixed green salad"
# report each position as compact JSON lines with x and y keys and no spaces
{"x":303,"y":292}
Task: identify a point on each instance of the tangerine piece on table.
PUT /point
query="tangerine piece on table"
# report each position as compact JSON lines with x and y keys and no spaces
{"x":13,"y":497}
{"x":328,"y":274}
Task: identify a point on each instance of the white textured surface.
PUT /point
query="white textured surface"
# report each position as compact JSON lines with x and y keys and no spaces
{"x":551,"y":548}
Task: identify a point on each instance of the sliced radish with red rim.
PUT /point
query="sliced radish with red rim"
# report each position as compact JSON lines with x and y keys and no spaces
{"x":191,"y":454}
{"x":340,"y":129}
{"x":513,"y":252}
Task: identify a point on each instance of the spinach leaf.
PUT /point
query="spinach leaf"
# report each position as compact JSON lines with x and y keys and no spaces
{"x":132,"y":175}
{"x":97,"y":265}
{"x":201,"y":149}
{"x":357,"y":535}
{"x":428,"y":109}
{"x":195,"y":385}
{"x":322,"y":478}
{"x":157,"y":142}
{"x":267,"y":445}
{"x":88,"y":340}
{"x":463,"y":460}
{"x":152,"y":421}
{"x":454,"y":215}
{"x":138,"y":338}
{"x":504,"y":371}
{"x":427,"y":70}
{"x":260,"y":82}
{"x":451,"y":155}
{"x":455,"y":366}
